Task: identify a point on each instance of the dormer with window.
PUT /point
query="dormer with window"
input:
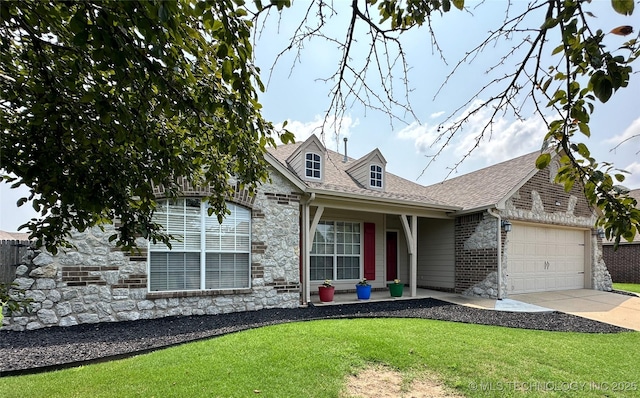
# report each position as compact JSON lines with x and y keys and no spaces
{"x":308,"y":160}
{"x":369,"y":170}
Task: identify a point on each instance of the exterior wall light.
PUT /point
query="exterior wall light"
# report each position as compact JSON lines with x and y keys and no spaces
{"x":506,"y":225}
{"x":600,"y":233}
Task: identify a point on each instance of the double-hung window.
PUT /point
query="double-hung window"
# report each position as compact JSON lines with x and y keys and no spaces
{"x":313,"y":165}
{"x":204,"y":254}
{"x":336,"y":252}
{"x":376,"y":176}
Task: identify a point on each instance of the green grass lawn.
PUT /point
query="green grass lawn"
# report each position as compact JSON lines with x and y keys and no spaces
{"x":312,"y":359}
{"x":629,"y":287}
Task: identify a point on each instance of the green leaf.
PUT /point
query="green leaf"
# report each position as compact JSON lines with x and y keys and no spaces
{"x":81,"y":38}
{"x":543,"y":161}
{"x":549,"y":23}
{"x":459,"y":4}
{"x":601,"y":84}
{"x":624,"y":7}
{"x":584,"y":129}
{"x":558,"y":49}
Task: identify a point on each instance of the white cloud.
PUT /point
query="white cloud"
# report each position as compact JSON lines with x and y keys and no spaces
{"x":632,"y":180}
{"x":417,"y":131}
{"x":330,"y":131}
{"x":505,"y":140}
{"x":436,"y":115}
{"x":632,"y":131}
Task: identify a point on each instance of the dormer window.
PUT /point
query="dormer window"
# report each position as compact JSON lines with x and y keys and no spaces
{"x":375,"y":180}
{"x":313,"y":163}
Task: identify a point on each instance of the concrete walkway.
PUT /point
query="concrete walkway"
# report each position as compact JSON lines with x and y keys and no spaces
{"x":613,"y":308}
{"x":608,"y":307}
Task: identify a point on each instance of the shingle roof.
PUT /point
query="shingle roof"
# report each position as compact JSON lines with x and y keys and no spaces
{"x":337,"y":180}
{"x":485,"y":187}
{"x":4,"y":235}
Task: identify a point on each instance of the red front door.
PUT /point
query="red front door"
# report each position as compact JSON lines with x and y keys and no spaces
{"x":392,"y":255}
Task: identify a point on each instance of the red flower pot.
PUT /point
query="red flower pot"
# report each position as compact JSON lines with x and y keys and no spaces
{"x":326,"y":293}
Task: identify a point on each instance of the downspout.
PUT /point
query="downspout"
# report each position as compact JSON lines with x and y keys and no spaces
{"x":497,"y":216}
{"x":305,"y":247}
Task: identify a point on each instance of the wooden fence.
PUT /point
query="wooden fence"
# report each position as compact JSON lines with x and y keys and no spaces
{"x":11,"y":254}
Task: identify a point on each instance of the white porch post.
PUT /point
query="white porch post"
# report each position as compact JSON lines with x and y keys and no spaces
{"x":411,"y":234}
{"x":307,"y":241}
{"x":305,"y":255}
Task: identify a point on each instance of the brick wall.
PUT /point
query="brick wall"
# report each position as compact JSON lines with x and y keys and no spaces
{"x":624,"y":263}
{"x":473,"y":265}
{"x":553,"y":196}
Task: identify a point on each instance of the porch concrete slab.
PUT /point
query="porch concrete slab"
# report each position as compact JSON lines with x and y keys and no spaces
{"x":609,"y":307}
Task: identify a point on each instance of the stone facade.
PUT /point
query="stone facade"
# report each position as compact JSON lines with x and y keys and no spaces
{"x":624,"y":263}
{"x":96,"y":282}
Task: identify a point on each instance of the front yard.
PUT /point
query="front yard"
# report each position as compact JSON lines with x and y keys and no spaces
{"x":314,"y":359}
{"x":628,"y":287}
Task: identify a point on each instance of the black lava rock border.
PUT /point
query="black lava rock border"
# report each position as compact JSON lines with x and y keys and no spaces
{"x":62,"y":347}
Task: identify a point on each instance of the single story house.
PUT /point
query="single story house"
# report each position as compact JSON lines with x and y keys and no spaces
{"x":624,"y":263}
{"x":322,"y":216}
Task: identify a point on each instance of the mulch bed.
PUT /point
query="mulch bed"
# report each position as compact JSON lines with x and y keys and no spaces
{"x":60,"y":347}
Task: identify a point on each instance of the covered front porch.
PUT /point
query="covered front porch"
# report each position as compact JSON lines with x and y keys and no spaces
{"x":344,"y":242}
{"x":349,"y":297}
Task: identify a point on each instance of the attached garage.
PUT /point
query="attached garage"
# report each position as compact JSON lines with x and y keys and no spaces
{"x":545,"y":258}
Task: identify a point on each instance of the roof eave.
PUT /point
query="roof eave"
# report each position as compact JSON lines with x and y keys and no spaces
{"x":374,"y":199}
{"x":288,"y":174}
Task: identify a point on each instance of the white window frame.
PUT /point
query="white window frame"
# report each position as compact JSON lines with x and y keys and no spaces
{"x":241,"y":242}
{"x":313,"y":163}
{"x":335,"y":255}
{"x":373,"y":170}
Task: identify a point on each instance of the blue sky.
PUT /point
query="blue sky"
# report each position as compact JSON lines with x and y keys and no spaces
{"x":296,"y":93}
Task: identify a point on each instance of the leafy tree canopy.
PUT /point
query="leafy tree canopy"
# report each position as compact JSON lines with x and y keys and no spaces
{"x":102,"y":101}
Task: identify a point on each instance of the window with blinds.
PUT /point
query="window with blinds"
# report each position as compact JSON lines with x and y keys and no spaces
{"x":204,"y":254}
{"x":336,"y":252}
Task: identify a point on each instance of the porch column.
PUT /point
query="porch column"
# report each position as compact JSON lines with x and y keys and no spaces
{"x":411,"y":235}
{"x":306,"y":294}
{"x":307,"y":241}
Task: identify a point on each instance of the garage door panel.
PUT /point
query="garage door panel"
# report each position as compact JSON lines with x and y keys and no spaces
{"x":545,"y":258}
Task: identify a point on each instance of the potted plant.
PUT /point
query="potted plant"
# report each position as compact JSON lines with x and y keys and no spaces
{"x":326,"y":291}
{"x":396,"y":288}
{"x":363,"y":290}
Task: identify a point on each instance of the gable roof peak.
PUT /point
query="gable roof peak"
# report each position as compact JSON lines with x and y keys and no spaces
{"x":312,"y":142}
{"x":488,"y":186}
{"x":374,"y":155}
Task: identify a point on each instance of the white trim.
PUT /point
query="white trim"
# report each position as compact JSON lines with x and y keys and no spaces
{"x":313,"y":162}
{"x":335,"y":253}
{"x":371,"y":179}
{"x":411,"y":233}
{"x":203,"y":215}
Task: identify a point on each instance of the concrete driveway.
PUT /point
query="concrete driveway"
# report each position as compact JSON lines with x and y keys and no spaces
{"x":613,"y":308}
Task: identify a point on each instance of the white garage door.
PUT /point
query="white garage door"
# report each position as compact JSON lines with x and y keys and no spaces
{"x":544,"y":258}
